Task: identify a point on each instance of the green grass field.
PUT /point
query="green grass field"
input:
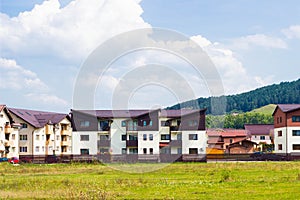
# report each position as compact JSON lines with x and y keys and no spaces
{"x":267,"y":110}
{"x":252,"y":180}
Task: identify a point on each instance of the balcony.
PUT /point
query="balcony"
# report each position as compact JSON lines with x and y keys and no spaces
{"x":8,"y":143}
{"x":174,"y":128}
{"x":48,"y":129}
{"x":66,"y":132}
{"x":176,"y":143}
{"x":8,"y":130}
{"x":103,"y":143}
{"x":66,"y":143}
{"x":131,"y":143}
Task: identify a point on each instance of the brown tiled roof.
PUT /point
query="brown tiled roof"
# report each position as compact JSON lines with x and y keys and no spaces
{"x":227,"y":132}
{"x":38,"y":119}
{"x":259,"y":129}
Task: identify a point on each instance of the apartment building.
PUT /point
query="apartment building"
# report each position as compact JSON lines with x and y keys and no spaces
{"x":287,"y":128}
{"x":158,"y":135}
{"x":9,"y":136}
{"x":42,"y":133}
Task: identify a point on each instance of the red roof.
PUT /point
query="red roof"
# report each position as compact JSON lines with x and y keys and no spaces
{"x":259,"y":129}
{"x":227,"y":132}
{"x":2,"y":107}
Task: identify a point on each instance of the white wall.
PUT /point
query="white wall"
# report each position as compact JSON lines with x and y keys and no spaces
{"x":91,"y":144}
{"x":148,"y":143}
{"x":200,"y":144}
{"x":256,"y":138}
{"x":117,"y":131}
{"x":282,"y":140}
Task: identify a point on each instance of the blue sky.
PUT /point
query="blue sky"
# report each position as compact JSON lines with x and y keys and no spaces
{"x":44,"y":44}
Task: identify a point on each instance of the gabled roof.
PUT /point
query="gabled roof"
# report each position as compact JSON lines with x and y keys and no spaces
{"x":259,"y":129}
{"x":242,"y":140}
{"x":227,"y":132}
{"x":2,"y":107}
{"x":38,"y":119}
{"x":287,"y":107}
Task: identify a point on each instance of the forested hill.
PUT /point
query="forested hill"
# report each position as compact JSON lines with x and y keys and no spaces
{"x":283,"y":93}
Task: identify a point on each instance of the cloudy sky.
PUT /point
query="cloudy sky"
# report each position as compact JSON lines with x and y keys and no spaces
{"x":44,"y":44}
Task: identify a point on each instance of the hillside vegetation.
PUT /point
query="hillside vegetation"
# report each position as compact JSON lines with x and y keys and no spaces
{"x":283,"y":93}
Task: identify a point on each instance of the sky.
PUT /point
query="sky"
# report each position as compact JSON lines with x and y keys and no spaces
{"x":45,"y":44}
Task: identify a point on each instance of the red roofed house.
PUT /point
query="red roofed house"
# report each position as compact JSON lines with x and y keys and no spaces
{"x":261,"y":134}
{"x":42,"y":133}
{"x":287,"y":128}
{"x":222,"y":138}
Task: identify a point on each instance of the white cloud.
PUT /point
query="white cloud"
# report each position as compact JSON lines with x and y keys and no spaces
{"x":234,"y":75}
{"x":70,"y":32}
{"x":46,"y":99}
{"x":16,"y":77}
{"x":292,"y":32}
{"x":260,"y":40}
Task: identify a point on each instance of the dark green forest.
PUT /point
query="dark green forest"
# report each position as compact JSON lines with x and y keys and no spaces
{"x":283,"y":93}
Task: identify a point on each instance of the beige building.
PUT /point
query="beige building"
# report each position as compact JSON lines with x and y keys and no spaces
{"x":42,"y":133}
{"x":8,"y":134}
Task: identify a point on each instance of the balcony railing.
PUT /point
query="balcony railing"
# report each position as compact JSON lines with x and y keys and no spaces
{"x":66,"y":132}
{"x":176,"y":143}
{"x":8,"y":130}
{"x":131,"y":143}
{"x":174,"y":128}
{"x":66,"y":143}
{"x":103,"y":143}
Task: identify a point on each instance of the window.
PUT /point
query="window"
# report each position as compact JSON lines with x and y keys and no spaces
{"x":84,"y":124}
{"x":279,"y":133}
{"x":151,"y":150}
{"x":193,"y":136}
{"x":133,"y":137}
{"x":133,"y":150}
{"x":124,"y":151}
{"x":164,"y":123}
{"x":104,"y":137}
{"x":192,"y":123}
{"x":43,"y":148}
{"x":179,"y":150}
{"x":123,"y":137}
{"x":13,"y":149}
{"x":296,"y":132}
{"x":150,"y":123}
{"x":43,"y":137}
{"x":23,"y":137}
{"x":132,"y":125}
{"x":151,"y":137}
{"x":165,"y":137}
{"x":23,"y":125}
{"x":165,"y":150}
{"x":179,"y":136}
{"x":279,"y":146}
{"x":262,"y":137}
{"x":84,"y":137}
{"x":37,"y":137}
{"x":230,"y":141}
{"x":193,"y":151}
{"x":1,"y":115}
{"x":57,"y":137}
{"x":280,"y":119}
{"x":23,"y":149}
{"x":144,"y":150}
{"x":104,"y":150}
{"x":296,"y":119}
{"x":37,"y":149}
{"x":104,"y":125}
{"x":1,"y":128}
{"x":296,"y":147}
{"x":144,"y":123}
{"x":57,"y":148}
{"x":144,"y":136}
{"x":84,"y":151}
{"x":123,"y":123}
{"x":13,"y":136}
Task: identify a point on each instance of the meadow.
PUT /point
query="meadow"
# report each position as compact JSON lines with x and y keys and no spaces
{"x":230,"y":180}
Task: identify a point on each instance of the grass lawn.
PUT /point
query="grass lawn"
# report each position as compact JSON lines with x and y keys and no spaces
{"x":252,"y":180}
